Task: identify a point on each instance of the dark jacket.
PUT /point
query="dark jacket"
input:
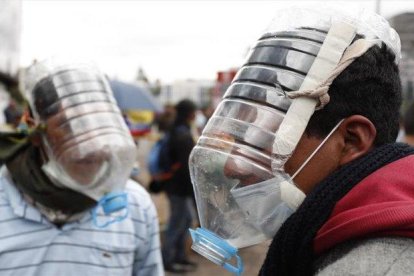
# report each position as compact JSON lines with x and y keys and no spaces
{"x":181,"y":144}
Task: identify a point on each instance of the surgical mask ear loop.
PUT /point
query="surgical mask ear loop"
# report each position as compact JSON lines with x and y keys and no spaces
{"x":316,"y":150}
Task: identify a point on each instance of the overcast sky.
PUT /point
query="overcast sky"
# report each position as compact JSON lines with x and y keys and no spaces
{"x":169,"y":39}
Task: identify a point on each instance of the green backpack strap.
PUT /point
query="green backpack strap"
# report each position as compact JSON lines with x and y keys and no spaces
{"x":11,"y":143}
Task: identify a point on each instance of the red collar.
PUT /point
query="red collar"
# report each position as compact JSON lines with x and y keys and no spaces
{"x":382,"y":204}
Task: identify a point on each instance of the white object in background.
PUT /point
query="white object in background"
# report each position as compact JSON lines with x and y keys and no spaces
{"x":4,"y":102}
{"x":10,"y":31}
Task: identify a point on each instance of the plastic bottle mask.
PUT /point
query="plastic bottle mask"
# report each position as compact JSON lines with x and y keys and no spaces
{"x":235,"y":149}
{"x":86,"y":141}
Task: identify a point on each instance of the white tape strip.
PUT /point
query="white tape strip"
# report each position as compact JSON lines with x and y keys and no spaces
{"x":339,"y":37}
{"x":290,"y":194}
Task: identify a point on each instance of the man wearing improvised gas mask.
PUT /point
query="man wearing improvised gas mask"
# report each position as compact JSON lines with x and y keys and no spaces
{"x":179,"y":190}
{"x":65,"y":190}
{"x":301,"y":150}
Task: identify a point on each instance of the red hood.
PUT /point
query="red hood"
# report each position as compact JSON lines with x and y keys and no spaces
{"x":382,"y":204}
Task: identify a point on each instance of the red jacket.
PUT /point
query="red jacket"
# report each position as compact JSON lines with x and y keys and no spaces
{"x":382,"y":204}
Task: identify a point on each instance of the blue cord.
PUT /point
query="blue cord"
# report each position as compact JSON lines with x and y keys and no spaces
{"x":110,"y":203}
{"x":207,"y":242}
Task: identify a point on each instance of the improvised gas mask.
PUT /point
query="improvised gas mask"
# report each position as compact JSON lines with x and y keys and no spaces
{"x":86,"y":142}
{"x":242,"y":192}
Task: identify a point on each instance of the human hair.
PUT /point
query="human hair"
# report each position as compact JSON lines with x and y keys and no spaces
{"x":184,"y":109}
{"x":409,"y":120}
{"x":165,"y":120}
{"x":370,"y":86}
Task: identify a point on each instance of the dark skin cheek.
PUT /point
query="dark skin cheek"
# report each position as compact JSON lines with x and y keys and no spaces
{"x":304,"y":149}
{"x":323,"y":163}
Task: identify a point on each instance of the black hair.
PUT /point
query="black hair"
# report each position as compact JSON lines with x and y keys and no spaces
{"x":45,"y":96}
{"x":184,"y":109}
{"x":409,"y":120}
{"x":370,"y":86}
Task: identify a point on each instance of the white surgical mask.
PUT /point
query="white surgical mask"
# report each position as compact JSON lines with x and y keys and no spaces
{"x":263,"y":206}
{"x":268,"y":204}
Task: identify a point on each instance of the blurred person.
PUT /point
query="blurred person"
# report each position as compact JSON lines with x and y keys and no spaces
{"x":200,"y":121}
{"x":160,"y":165}
{"x":409,"y":125}
{"x":67,"y":205}
{"x":202,"y":117}
{"x":13,"y":113}
{"x":165,"y":120}
{"x":301,"y":151}
{"x":180,"y":191}
{"x":207,"y":111}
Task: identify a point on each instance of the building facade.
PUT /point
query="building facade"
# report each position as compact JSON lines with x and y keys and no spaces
{"x":404,"y":25}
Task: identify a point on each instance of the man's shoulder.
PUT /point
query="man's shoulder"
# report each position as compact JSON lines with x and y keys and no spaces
{"x":135,"y":189}
{"x":5,"y":183}
{"x":138,"y":195}
{"x":3,"y":194}
{"x":377,"y":256}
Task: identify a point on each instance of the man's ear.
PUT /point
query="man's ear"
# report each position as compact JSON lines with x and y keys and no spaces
{"x":28,"y":122}
{"x":359,"y":135}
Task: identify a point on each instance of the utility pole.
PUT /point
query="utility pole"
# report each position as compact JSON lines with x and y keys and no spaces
{"x":378,"y":6}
